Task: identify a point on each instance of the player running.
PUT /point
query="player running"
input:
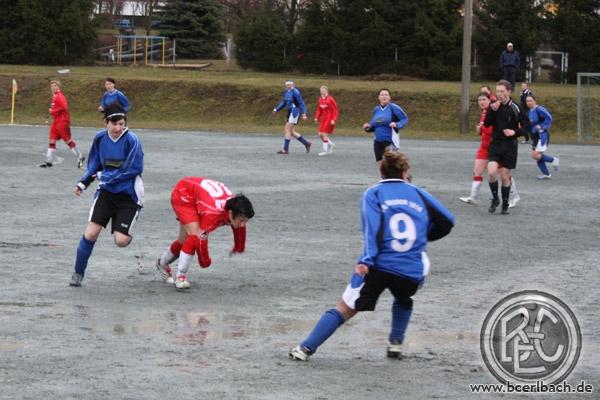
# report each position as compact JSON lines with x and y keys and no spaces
{"x":294,"y":104}
{"x":327,"y":113}
{"x":201,"y":206}
{"x":116,"y":159}
{"x":540,"y":120}
{"x":398,"y":219}
{"x":61,"y":127}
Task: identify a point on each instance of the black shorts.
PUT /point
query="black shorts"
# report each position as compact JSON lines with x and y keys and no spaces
{"x":375,"y":283}
{"x":379,"y":149}
{"x":123,"y":211}
{"x":504,"y":153}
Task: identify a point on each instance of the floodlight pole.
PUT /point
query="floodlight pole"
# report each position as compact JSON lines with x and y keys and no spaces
{"x":466,"y":66}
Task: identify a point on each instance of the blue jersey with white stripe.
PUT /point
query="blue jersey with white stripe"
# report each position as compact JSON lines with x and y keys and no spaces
{"x":398,"y":219}
{"x":382,"y":117}
{"x":115,"y":97}
{"x":118,"y":164}
{"x":542,"y":117}
{"x":292,"y":100}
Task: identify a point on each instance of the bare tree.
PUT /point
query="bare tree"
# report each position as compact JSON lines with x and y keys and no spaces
{"x":147,"y":9}
{"x":110,"y":7}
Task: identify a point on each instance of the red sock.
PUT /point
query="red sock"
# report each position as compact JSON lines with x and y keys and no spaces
{"x":190,"y":245}
{"x":176,"y":248}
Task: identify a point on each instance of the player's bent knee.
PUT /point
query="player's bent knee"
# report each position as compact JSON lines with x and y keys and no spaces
{"x":122,"y":240}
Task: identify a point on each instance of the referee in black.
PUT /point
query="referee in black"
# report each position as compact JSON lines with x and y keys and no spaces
{"x":509,"y":123}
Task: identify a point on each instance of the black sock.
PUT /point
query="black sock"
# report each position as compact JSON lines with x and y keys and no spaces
{"x":494,"y":189}
{"x":505,"y":194}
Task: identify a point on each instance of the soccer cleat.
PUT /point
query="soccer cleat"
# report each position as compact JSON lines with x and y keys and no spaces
{"x":307,"y":146}
{"x":555,"y":163}
{"x":299,"y":353}
{"x":542,"y":177}
{"x":323,"y":153}
{"x":468,"y":200}
{"x":76,"y":280}
{"x":504,"y":210}
{"x":282,"y":152}
{"x":394,"y":349}
{"x":181,"y":282}
{"x":165,"y":272}
{"x":46,"y":165}
{"x":80,"y":161}
{"x":495,"y":203}
{"x":513,"y":202}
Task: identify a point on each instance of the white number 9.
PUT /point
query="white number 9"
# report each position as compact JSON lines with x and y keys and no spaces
{"x":409,"y":234}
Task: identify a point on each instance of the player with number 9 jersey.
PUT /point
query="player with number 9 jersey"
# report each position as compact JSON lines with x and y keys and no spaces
{"x":398,"y":219}
{"x":201,"y":206}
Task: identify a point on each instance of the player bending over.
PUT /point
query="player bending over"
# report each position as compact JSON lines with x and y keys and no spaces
{"x":201,"y":206}
{"x":397,"y":219}
{"x":116,"y":159}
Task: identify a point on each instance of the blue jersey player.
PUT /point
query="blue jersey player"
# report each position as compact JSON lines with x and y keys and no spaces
{"x":116,"y":159}
{"x":540,"y":121}
{"x":398,"y":219}
{"x":294,"y":104}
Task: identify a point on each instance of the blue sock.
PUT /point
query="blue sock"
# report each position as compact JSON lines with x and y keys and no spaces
{"x":542,"y":166}
{"x":302,"y":140}
{"x":400,"y":319}
{"x":546,"y":158}
{"x":329,"y":322}
{"x":84,"y":251}
{"x":286,"y":144}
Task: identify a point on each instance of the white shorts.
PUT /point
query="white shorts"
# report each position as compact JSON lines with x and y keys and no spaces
{"x":541,"y":144}
{"x":293,"y":116}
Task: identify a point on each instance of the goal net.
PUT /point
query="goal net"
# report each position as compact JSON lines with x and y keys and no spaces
{"x":588,"y":106}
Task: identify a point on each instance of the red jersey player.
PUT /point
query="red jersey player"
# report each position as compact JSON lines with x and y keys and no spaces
{"x":201,"y":206}
{"x":61,"y":127}
{"x":327,"y":113}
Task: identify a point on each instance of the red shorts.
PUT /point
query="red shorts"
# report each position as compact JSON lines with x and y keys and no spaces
{"x":326,"y":127}
{"x":482,"y":153}
{"x":60,"y":130}
{"x":186,"y":212}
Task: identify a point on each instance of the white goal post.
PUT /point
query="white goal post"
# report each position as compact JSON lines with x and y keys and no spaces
{"x":588,"y":106}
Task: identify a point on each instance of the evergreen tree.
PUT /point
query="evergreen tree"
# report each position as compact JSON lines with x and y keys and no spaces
{"x":197,"y":25}
{"x":574,"y":27}
{"x":261,"y":41}
{"x":47,"y":31}
{"x":314,"y":45}
{"x":503,"y":21}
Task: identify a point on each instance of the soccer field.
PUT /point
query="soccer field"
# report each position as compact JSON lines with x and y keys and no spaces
{"x":125,"y":334}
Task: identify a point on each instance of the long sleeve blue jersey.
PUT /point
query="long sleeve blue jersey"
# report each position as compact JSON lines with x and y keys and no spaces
{"x":542,"y":117}
{"x":398,"y":219}
{"x":381,"y":119}
{"x":118,"y":164}
{"x":115,"y":96}
{"x":292,"y":101}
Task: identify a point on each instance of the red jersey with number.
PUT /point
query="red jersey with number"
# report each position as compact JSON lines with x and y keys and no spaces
{"x":327,"y":111}
{"x":202,"y":200}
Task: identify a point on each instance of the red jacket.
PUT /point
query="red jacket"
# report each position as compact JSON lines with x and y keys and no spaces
{"x":59,"y":108}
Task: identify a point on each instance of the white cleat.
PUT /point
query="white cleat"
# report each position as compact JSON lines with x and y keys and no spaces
{"x":555,"y":163}
{"x":394,"y":349}
{"x":80,"y":162}
{"x":513,"y":202}
{"x":299,"y":353}
{"x":165,"y":272}
{"x":181,"y":282}
{"x":468,"y":200}
{"x":542,"y":177}
{"x":323,"y":153}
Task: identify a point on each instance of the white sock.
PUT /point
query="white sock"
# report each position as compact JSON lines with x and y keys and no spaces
{"x":184,"y":262}
{"x":166,"y":258}
{"x":475,"y":186}
{"x":325,"y":146}
{"x":50,"y":155}
{"x":76,"y":151}
{"x":513,"y":188}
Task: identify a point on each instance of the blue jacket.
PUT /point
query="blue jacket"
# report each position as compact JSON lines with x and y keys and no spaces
{"x":381,"y":119}
{"x":115,"y":96}
{"x":509,"y":59}
{"x":542,"y":117}
{"x":292,"y":101}
{"x":398,"y":219}
{"x":118,"y":165}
